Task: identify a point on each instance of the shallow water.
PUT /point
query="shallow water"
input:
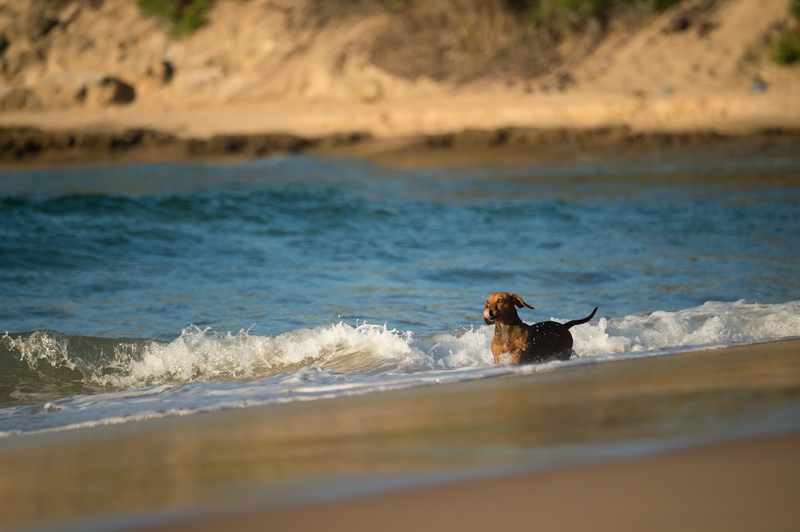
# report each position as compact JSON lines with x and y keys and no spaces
{"x":163,"y":289}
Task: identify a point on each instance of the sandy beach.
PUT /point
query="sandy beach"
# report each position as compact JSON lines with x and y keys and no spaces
{"x":704,"y":488}
{"x":629,"y":441}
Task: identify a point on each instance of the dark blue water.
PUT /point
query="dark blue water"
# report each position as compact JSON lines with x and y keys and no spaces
{"x":294,"y":242}
{"x":283,"y":244}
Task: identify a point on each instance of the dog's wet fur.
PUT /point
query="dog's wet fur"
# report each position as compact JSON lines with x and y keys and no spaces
{"x":527,"y":344}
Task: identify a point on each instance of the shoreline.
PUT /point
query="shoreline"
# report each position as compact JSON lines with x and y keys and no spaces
{"x":284,"y":455}
{"x":500,"y":126}
{"x":25,"y":148}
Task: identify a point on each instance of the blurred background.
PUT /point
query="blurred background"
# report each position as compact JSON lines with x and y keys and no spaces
{"x":397,"y":67}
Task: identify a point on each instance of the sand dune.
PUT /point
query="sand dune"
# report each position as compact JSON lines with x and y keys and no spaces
{"x":264,"y":67}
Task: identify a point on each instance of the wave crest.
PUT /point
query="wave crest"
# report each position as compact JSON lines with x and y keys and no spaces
{"x":202,"y":354}
{"x":44,"y":365}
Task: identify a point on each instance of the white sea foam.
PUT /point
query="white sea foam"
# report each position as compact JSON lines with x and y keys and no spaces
{"x":711,"y":324}
{"x":203,"y":371}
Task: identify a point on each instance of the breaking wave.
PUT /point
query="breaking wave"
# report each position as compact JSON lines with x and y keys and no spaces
{"x":46,"y":372}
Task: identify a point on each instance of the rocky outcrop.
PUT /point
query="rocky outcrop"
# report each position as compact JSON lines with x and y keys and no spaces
{"x":62,"y":54}
{"x":105,"y":90}
{"x":26,"y":144}
{"x":23,"y":145}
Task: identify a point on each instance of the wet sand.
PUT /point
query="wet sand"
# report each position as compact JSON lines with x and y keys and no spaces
{"x":600,"y":443}
{"x":745,"y":485}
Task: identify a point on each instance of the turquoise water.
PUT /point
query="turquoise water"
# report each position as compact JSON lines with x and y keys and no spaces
{"x":325,"y":271}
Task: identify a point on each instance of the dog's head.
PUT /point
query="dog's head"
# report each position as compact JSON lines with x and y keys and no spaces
{"x":500,"y":306}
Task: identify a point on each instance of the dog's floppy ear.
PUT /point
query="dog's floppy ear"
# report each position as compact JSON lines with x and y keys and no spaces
{"x":519,"y":302}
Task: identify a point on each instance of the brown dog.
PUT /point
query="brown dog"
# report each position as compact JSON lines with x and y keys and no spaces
{"x":527,"y":344}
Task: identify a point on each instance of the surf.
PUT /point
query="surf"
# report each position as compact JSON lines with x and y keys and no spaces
{"x":202,"y":370}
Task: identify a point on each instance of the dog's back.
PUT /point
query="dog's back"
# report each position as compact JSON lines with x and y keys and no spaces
{"x":545,"y":340}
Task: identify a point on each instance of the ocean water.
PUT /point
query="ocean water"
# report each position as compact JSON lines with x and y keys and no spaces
{"x":151,"y":290}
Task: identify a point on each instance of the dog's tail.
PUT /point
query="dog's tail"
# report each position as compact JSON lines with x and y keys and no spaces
{"x":579,"y":322}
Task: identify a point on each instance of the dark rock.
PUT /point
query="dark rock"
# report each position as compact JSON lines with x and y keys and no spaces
{"x":37,"y":22}
{"x":104,"y":91}
{"x":161,"y":71}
